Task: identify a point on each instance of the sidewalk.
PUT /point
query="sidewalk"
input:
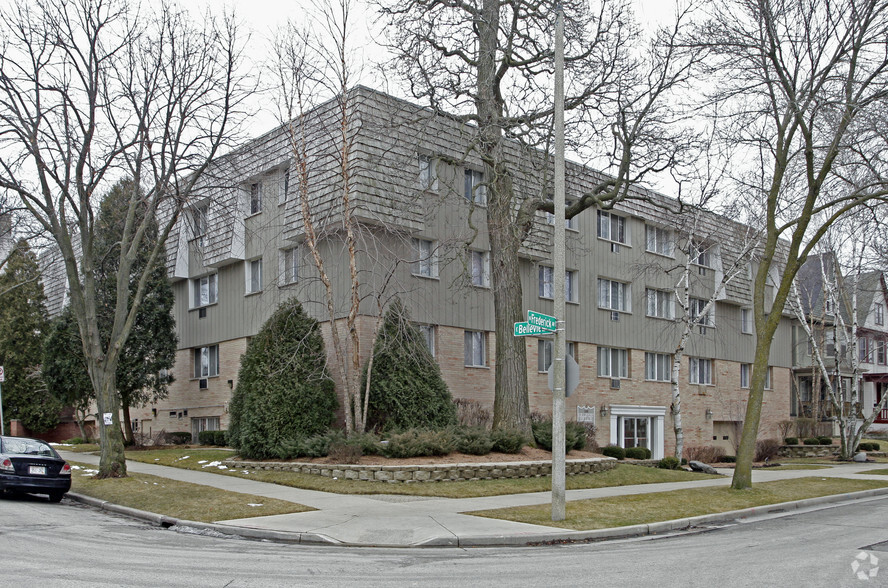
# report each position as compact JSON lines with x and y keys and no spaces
{"x":409,"y":521}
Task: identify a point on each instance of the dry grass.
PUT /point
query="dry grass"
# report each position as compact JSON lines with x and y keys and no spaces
{"x":181,"y":500}
{"x":604,"y":513}
{"x":622,"y":475}
{"x":798,"y":466}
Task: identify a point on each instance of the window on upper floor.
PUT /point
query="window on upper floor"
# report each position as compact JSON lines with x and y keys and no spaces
{"x":613,"y":363}
{"x":199,"y":216}
{"x":284,"y":187}
{"x":701,"y":254}
{"x":289,"y":265}
{"x":428,"y":172}
{"x":880,"y":351}
{"x":545,"y":351}
{"x":660,"y":303}
{"x":746,"y":321}
{"x":206,"y":361}
{"x":864,"y":349}
{"x":700,"y":371}
{"x":614,"y":295}
{"x":253,"y":275}
{"x":569,"y":223}
{"x":658,"y":367}
{"x":480,"y":268}
{"x":475,"y":188}
{"x":612,"y":227}
{"x":204,"y":290}
{"x":547,"y":284}
{"x":256,"y":197}
{"x":879,"y":313}
{"x":696,"y":308}
{"x":426,"y":256}
{"x":659,"y":240}
{"x":475,"y":349}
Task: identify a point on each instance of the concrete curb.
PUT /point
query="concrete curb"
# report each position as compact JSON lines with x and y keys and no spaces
{"x":517,"y":540}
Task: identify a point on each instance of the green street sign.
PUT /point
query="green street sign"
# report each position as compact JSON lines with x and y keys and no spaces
{"x":527,"y":329}
{"x":543,"y":321}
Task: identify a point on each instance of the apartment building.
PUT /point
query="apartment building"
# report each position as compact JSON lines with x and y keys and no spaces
{"x":419,"y":195}
{"x":822,"y":303}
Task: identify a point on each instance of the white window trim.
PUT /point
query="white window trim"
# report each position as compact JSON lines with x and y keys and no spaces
{"x":485,"y":268}
{"x":747,"y":376}
{"x":626,"y":299}
{"x":609,"y":239}
{"x":429,"y":334}
{"x":746,"y":326}
{"x":195,"y":290}
{"x":430,"y":258}
{"x":670,"y":303}
{"x":483,"y":342}
{"x":694,"y":373}
{"x":657,"y":415}
{"x":478,"y":189}
{"x":428,"y":166}
{"x":670,"y":240}
{"x":197,"y":367}
{"x":656,"y":356}
{"x":261,"y":197}
{"x":610,"y":363}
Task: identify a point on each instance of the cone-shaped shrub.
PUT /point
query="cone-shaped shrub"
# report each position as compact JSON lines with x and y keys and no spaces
{"x":406,"y":387}
{"x":283,"y":393}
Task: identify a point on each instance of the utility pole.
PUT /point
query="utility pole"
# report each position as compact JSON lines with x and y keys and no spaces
{"x":558,"y":467}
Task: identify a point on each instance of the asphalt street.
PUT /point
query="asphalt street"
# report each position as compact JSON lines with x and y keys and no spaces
{"x":73,"y":545}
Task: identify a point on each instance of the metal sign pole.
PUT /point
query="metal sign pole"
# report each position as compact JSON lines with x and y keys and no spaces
{"x":558,"y":449}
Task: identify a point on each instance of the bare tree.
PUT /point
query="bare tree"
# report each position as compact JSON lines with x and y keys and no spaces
{"x":802,"y":87}
{"x":488,"y":63}
{"x":94,"y":90}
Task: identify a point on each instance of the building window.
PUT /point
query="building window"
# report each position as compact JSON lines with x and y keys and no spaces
{"x":696,"y":307}
{"x":284,"y":187}
{"x":701,"y":254}
{"x":659,"y":240}
{"x":612,"y":227}
{"x":289,"y":265}
{"x":768,"y":378}
{"x":426,"y":253}
{"x":658,"y":367}
{"x":255,"y":197}
{"x":475,"y":349}
{"x":569,"y":223}
{"x":879,"y":311}
{"x":547,"y":285}
{"x":428,"y":173}
{"x":660,"y":304}
{"x":613,"y":295}
{"x":428,"y":335}
{"x":701,"y":371}
{"x":545,"y":353}
{"x":253,"y":273}
{"x":864,"y":350}
{"x":206,"y":362}
{"x":613,"y":363}
{"x":481,"y":269}
{"x":199,"y":216}
{"x":880,"y":352}
{"x":745,"y":369}
{"x":746,"y":320}
{"x":201,"y":424}
{"x":635,"y":432}
{"x":475,"y":189}
{"x":205,"y":291}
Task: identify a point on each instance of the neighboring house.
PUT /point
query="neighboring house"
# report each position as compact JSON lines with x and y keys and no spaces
{"x":810,"y":397}
{"x":238,"y":252}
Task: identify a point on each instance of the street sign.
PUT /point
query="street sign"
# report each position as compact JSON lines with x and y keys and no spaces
{"x":527,"y":329}
{"x":543,"y":321}
{"x":571,"y":375}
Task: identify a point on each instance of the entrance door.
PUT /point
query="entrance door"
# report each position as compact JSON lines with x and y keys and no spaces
{"x":635,"y":432}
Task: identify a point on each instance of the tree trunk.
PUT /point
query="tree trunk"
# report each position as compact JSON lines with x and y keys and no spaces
{"x":746,"y":452}
{"x":127,"y":426}
{"x":112,"y":463}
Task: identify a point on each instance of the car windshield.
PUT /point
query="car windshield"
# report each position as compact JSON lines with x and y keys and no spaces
{"x":26,"y":447}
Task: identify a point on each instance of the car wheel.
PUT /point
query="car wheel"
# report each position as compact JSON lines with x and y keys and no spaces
{"x":56,"y":496}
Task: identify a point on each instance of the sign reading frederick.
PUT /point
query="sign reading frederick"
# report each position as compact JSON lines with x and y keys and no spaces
{"x":537,"y":324}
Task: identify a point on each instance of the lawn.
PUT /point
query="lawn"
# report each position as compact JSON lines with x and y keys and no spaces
{"x":604,"y":513}
{"x":203,"y":459}
{"x":181,"y":500}
{"x":882,"y":472}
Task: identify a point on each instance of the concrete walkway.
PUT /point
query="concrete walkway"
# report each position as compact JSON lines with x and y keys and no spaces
{"x":402,"y":521}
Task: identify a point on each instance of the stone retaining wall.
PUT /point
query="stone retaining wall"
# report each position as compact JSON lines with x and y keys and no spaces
{"x":807,"y":450}
{"x":431,"y":473}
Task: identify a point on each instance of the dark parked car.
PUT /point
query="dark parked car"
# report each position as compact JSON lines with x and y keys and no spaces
{"x":32,"y":466}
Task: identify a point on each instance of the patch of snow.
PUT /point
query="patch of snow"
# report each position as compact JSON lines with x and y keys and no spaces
{"x":202,"y":461}
{"x":213,"y":464}
{"x":253,"y":504}
{"x":222,"y":467}
{"x":183,"y":457}
{"x":244,"y":472}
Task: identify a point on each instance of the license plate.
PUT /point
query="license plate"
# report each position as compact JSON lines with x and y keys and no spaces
{"x":37,"y":470}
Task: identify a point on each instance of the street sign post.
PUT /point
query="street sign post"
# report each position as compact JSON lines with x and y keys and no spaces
{"x":2,"y":379}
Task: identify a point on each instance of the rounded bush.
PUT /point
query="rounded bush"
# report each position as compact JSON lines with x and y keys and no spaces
{"x":419,"y":443}
{"x":638,"y":453}
{"x":284,"y":394}
{"x":542,"y":434}
{"x":508,"y":440}
{"x":811,"y":441}
{"x":867,"y":446}
{"x":668,"y":463}
{"x":614,"y":451}
{"x":729,"y":459}
{"x":473,"y":441}
{"x":791,"y":441}
{"x":825,"y":440}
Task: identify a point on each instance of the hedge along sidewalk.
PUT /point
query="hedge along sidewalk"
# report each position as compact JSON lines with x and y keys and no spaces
{"x":182,"y":500}
{"x":640,"y":509}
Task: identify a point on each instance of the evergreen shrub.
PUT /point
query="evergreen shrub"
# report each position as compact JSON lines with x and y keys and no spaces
{"x":508,"y":440}
{"x":406,"y":387}
{"x":284,"y":394}
{"x":825,"y":440}
{"x":419,"y":443}
{"x":614,"y":451}
{"x":811,"y":441}
{"x":473,"y":441}
{"x":791,"y":440}
{"x":668,"y":463}
{"x":638,"y":453}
